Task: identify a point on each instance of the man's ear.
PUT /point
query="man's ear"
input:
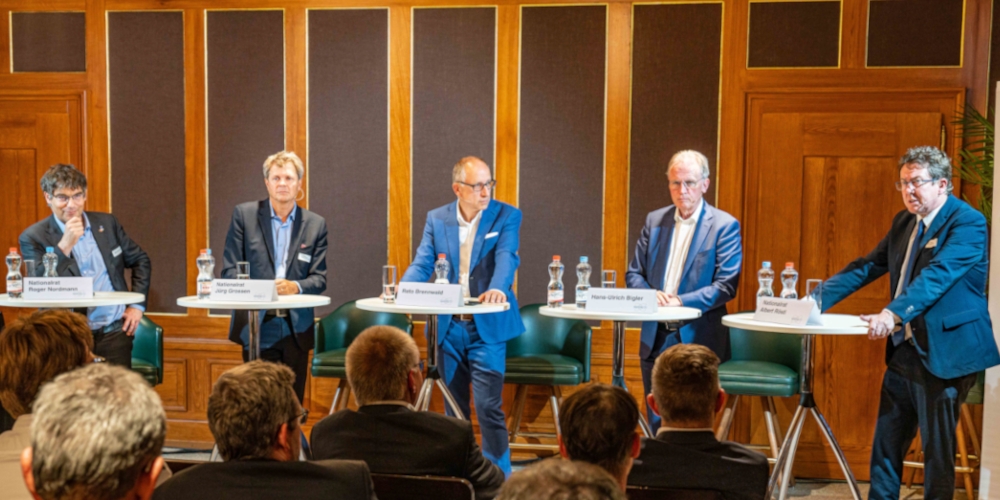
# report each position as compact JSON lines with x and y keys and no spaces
{"x":651,"y":403}
{"x":29,"y":478}
{"x":562,"y":449}
{"x":144,"y":486}
{"x":636,"y":445}
{"x":720,"y":400}
{"x":283,"y":443}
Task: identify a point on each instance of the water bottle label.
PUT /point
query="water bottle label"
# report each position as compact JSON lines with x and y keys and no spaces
{"x":581,"y":296}
{"x":14,"y":285}
{"x":204,"y":288}
{"x":555,"y":295}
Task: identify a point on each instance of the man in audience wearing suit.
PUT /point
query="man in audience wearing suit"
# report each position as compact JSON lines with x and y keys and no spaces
{"x":690,"y":253}
{"x":480,"y":238}
{"x":597,"y":425}
{"x":685,"y":454}
{"x":383,"y":367}
{"x":256,"y":420}
{"x":97,"y":432}
{"x":285,"y":243}
{"x":90,"y":244}
{"x":557,"y":479}
{"x":938,"y":329}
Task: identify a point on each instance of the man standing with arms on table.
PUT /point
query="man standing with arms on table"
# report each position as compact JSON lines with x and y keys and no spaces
{"x":691,"y":253}
{"x":94,"y":245}
{"x":938,"y":329}
{"x":286,"y":243}
{"x":480,"y":238}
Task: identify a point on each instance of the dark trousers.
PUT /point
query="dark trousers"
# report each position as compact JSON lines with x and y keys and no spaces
{"x":285,"y":350}
{"x":114,"y":346}
{"x":913,"y":398}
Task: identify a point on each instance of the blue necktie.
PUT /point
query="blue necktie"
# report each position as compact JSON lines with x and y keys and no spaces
{"x":900,"y":336}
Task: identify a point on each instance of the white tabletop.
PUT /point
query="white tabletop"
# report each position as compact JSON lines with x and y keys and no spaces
{"x":662,"y":314}
{"x":833,"y":324}
{"x":376,"y":304}
{"x":284,"y":302}
{"x":99,"y":299}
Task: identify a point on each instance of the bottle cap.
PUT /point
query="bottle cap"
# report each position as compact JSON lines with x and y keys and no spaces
{"x":440,"y":255}
{"x":13,"y":250}
{"x":767,"y":263}
{"x":204,"y":251}
{"x":50,"y":250}
{"x":789,"y":264}
{"x":583,"y":259}
{"x":555,"y":258}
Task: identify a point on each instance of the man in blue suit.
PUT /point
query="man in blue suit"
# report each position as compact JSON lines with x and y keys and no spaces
{"x":480,"y":238}
{"x":691,"y":253}
{"x":937,"y":324}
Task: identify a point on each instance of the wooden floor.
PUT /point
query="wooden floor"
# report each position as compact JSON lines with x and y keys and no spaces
{"x":824,"y":490}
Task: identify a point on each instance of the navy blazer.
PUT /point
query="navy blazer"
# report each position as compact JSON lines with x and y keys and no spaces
{"x":709,"y":280}
{"x":493,"y":264}
{"x":945,"y":301}
{"x":250,"y":240}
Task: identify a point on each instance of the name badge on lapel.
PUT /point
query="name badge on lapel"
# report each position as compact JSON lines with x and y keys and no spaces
{"x":305,"y":257}
{"x":116,"y":252}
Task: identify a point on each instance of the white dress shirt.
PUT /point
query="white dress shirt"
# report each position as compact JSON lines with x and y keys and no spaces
{"x":680,"y":243}
{"x":466,"y":238}
{"x":909,"y":250}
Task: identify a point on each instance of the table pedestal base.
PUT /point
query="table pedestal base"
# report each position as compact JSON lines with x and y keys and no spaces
{"x":618,"y":369}
{"x":433,"y":376}
{"x":253,"y":350}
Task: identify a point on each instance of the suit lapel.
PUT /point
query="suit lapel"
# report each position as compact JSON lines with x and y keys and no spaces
{"x":293,"y":241}
{"x":701,"y":230}
{"x":939,"y":220}
{"x":451,"y":234}
{"x":264,"y":219}
{"x":103,"y":243}
{"x":485,"y":224}
{"x":663,"y":248}
{"x":55,"y":234}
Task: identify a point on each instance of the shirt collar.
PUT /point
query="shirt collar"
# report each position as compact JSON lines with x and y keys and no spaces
{"x":62,"y":225}
{"x":929,"y":218}
{"x":291,"y":216}
{"x":461,"y":220}
{"x":392,"y":402}
{"x":694,"y":217}
{"x":664,"y":429}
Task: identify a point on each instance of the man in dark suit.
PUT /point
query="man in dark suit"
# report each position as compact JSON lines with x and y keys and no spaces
{"x":90,"y":244}
{"x":480,"y":237}
{"x":937,"y":325}
{"x":256,"y":420}
{"x":691,"y":253}
{"x":597,"y":425}
{"x":383,"y":367}
{"x":285,"y":243}
{"x":685,"y":454}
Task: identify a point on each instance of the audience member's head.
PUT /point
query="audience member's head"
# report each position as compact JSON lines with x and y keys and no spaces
{"x":383,"y":364}
{"x":686,"y":391}
{"x":36,"y":348}
{"x":97,"y":434}
{"x":598,"y":426}
{"x":253,"y":413}
{"x":558,"y":479}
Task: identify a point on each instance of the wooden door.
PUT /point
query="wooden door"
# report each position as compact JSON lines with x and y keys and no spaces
{"x":819,"y":193}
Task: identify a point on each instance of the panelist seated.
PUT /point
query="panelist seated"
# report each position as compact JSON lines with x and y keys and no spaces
{"x":256,"y":420}
{"x":383,"y":368}
{"x":685,"y":454}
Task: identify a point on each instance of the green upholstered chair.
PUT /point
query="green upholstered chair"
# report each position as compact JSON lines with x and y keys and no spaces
{"x":765,"y":365}
{"x":334,"y":334}
{"x":147,"y":351}
{"x":552,"y":352}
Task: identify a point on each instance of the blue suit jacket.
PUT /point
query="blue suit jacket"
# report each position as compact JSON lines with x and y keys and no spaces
{"x":493,"y":264}
{"x":710,"y":277}
{"x":945,"y":301}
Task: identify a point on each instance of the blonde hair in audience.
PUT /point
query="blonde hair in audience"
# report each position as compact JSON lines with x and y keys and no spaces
{"x":378,"y":362}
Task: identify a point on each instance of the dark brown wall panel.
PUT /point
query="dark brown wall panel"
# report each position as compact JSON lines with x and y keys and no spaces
{"x":246,"y":111}
{"x":453,"y":87}
{"x":49,"y":41}
{"x":348,"y":145}
{"x":146,"y":98}
{"x":895,"y":40}
{"x":794,"y":34}
{"x":562,"y":143}
{"x":675,"y":99}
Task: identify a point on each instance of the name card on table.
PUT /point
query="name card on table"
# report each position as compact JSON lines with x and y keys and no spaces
{"x":787,"y":311}
{"x":244,"y":290}
{"x":429,"y":295}
{"x":61,"y":288}
{"x":622,"y":300}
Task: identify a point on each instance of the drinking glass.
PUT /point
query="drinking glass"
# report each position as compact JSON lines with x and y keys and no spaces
{"x":389,"y":284}
{"x":608,"y":278}
{"x":814,"y":292}
{"x":29,"y":268}
{"x":242,"y":270}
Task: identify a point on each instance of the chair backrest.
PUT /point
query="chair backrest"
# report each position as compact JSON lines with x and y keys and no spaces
{"x":644,"y":493}
{"x":547,"y":335}
{"x":147,"y":345}
{"x":396,"y":487}
{"x":781,"y":348}
{"x":338,"y":329}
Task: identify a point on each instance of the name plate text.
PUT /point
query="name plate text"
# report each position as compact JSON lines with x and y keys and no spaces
{"x":61,"y":288}
{"x":787,"y":311}
{"x":244,"y":290}
{"x":622,"y":300}
{"x":429,"y":295}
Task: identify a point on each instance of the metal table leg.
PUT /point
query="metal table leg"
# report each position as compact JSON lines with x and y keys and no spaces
{"x":433,"y":376}
{"x":618,"y":368}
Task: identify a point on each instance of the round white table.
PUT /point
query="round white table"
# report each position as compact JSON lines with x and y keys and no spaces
{"x":99,"y":299}
{"x":433,"y":378}
{"x":833,"y":324}
{"x":253,"y":309}
{"x":663,"y":315}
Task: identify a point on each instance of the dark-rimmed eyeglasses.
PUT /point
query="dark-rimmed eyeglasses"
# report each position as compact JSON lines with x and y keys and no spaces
{"x":301,"y":418}
{"x":481,"y":186}
{"x":687,"y":184}
{"x":912,"y":183}
{"x":62,"y":199}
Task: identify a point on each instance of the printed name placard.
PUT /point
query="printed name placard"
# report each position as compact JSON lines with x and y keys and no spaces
{"x":61,"y":288}
{"x":244,"y":290}
{"x":622,"y":300}
{"x":787,"y":311}
{"x":429,"y":295}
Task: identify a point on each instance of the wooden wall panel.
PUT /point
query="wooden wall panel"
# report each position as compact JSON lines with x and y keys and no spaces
{"x":146,"y":97}
{"x":794,"y":34}
{"x":49,"y":41}
{"x":563,"y":52}
{"x":893,"y":42}
{"x":349,"y":141}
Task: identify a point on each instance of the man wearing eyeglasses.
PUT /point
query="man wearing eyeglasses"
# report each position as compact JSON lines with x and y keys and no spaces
{"x":690,"y":253}
{"x":480,"y":237}
{"x":937,"y":327}
{"x":90,"y":244}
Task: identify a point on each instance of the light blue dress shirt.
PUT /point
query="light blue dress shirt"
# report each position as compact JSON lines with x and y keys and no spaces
{"x":281,"y":233}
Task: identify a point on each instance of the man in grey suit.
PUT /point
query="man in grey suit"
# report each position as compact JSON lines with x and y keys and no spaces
{"x":285,"y":243}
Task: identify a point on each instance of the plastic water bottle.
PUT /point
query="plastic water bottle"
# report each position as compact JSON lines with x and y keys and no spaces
{"x":15,"y":283}
{"x":789,"y":279}
{"x":206,"y":269}
{"x":582,"y":283}
{"x":765,"y":277}
{"x":51,"y":262}
{"x":555,"y":282}
{"x":441,"y":269}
